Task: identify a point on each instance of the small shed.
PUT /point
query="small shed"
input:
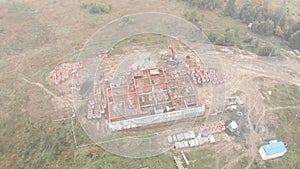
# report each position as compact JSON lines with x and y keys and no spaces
{"x":232,"y":126}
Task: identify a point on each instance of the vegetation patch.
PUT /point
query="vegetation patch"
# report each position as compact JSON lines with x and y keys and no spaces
{"x":97,"y":8}
{"x":143,"y":40}
{"x":201,"y":159}
{"x":243,"y":162}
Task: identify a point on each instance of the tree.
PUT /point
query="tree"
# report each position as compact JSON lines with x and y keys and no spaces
{"x":248,"y":40}
{"x":268,"y":51}
{"x":212,"y":37}
{"x":209,"y":4}
{"x":221,"y":40}
{"x":227,"y":39}
{"x":248,"y":13}
{"x":264,"y":28}
{"x":296,"y":27}
{"x":278,"y":31}
{"x":193,"y":17}
{"x":230,"y":37}
{"x":230,"y":8}
{"x":294,"y":40}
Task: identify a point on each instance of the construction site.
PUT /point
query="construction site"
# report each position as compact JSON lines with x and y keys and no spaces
{"x":153,"y":90}
{"x":87,"y":90}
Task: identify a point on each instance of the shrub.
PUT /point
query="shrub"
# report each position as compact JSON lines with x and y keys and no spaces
{"x":193,"y":17}
{"x":294,"y":40}
{"x":267,"y":51}
{"x":99,"y":8}
{"x":264,"y":28}
{"x":248,"y":13}
{"x":230,"y":8}
{"x":248,"y":40}
{"x":228,"y":38}
{"x":84,"y":5}
{"x":221,"y":40}
{"x":212,"y":37}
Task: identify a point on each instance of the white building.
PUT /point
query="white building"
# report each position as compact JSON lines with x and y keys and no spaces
{"x":232,"y":126}
{"x":273,"y":150}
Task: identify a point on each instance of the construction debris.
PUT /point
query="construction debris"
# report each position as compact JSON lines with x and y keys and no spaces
{"x":231,"y":107}
{"x":236,"y":99}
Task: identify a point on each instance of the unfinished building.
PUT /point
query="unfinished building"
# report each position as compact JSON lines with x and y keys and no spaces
{"x":152,"y":96}
{"x":162,"y":92}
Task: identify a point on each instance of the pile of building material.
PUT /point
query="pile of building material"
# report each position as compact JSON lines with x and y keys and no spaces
{"x":64,"y":71}
{"x":178,"y":162}
{"x":95,"y":111}
{"x":197,"y":141}
{"x":214,"y":77}
{"x":182,"y":144}
{"x":181,"y":136}
{"x":236,"y":100}
{"x":233,"y":103}
{"x":231,"y":107}
{"x":189,"y":139}
{"x":185,"y":158}
{"x":199,"y":74}
{"x":213,"y":128}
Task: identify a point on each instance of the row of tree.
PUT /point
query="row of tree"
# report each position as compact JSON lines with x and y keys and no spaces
{"x":204,"y":4}
{"x":266,"y":22}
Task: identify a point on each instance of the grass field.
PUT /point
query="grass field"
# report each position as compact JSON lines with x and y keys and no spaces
{"x":285,"y":95}
{"x":242,"y":163}
{"x":288,"y":119}
{"x":288,"y":132}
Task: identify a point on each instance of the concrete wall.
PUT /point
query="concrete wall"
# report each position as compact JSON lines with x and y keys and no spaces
{"x":157,"y":118}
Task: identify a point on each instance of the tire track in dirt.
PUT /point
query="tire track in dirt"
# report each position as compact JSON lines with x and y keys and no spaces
{"x":59,"y":102}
